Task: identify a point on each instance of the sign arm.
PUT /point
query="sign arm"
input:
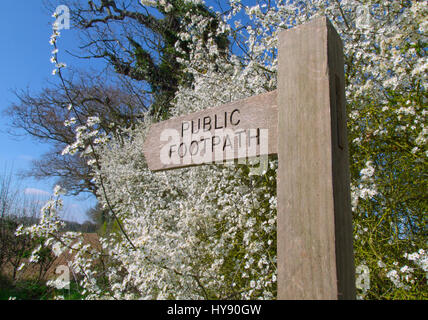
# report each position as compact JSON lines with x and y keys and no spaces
{"x":315,"y":252}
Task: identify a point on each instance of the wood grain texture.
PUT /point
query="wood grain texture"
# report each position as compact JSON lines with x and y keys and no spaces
{"x":255,"y":112}
{"x":315,"y":254}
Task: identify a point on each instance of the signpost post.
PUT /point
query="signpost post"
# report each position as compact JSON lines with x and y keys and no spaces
{"x":304,"y":123}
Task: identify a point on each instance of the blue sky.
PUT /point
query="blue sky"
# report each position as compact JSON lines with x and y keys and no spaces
{"x":25,"y":29}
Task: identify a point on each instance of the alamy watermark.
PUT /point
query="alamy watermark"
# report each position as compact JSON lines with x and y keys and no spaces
{"x":363,"y":17}
{"x":62,"y":18}
{"x":62,"y":281}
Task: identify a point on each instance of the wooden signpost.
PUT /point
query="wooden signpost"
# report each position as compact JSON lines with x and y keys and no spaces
{"x":304,"y":123}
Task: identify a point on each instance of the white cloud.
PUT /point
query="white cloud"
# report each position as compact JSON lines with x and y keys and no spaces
{"x":37,"y":192}
{"x":25,"y":157}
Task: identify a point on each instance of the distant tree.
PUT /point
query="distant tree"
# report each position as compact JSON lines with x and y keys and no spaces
{"x":13,"y":249}
{"x":17,"y":209}
{"x":100,"y":217}
{"x":43,"y":116}
{"x":88,"y":227}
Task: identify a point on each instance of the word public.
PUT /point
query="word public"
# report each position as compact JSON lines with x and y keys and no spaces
{"x":207,"y":123}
